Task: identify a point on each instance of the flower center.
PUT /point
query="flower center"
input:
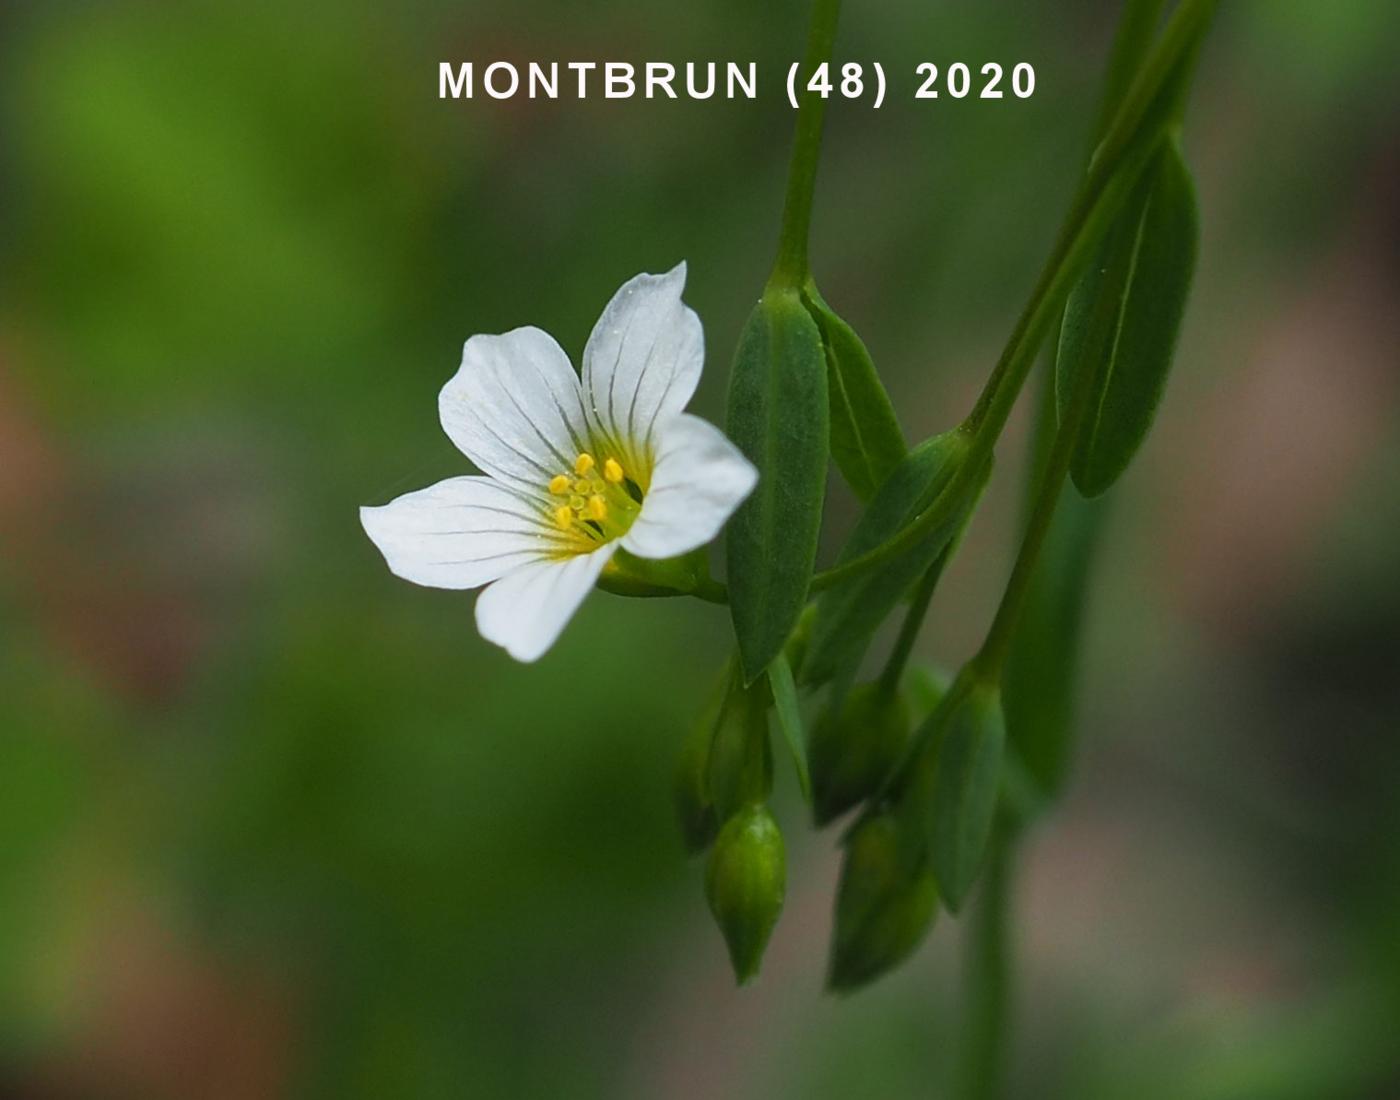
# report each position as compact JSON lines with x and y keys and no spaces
{"x":595,"y":503}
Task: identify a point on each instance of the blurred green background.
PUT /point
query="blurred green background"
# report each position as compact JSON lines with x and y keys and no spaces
{"x":274,"y":823}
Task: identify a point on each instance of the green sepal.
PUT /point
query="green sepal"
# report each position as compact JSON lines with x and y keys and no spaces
{"x":740,"y":769}
{"x":784,"y":689}
{"x":778,"y":417}
{"x":866,"y":441}
{"x":1122,"y":321}
{"x":690,"y":786}
{"x":855,"y":744}
{"x":849,"y":614}
{"x":966,"y":783}
{"x":628,"y":575}
{"x":886,"y":903}
{"x":745,"y":880}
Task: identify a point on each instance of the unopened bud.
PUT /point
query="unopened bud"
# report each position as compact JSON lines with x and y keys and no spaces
{"x":744,"y":883}
{"x":885,"y":904}
{"x":966,"y":786}
{"x":853,"y":748}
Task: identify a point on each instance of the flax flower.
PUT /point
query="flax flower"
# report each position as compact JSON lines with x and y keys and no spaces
{"x":575,"y":469}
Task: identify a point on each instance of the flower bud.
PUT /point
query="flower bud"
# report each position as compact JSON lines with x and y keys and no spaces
{"x":744,"y":883}
{"x":966,"y":786}
{"x":853,"y":747}
{"x":885,"y":904}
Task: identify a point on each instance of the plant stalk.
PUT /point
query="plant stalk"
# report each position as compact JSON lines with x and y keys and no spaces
{"x":1121,"y":157}
{"x":981,"y":1063}
{"x":790,"y":269}
{"x":909,"y":630}
{"x":992,"y":656}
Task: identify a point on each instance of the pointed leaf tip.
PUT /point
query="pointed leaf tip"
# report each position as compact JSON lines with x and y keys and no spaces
{"x":1123,"y":319}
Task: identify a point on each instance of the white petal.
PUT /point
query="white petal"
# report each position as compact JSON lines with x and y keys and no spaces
{"x":699,"y":479}
{"x":525,"y":610}
{"x":642,"y":361}
{"x":459,"y":533}
{"x":514,"y":407}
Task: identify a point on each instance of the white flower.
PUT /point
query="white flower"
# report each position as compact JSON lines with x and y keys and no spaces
{"x":574,"y":470}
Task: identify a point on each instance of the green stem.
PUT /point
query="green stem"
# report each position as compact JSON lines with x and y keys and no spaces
{"x":909,"y":629}
{"x":1130,"y":45}
{"x":982,"y":1059}
{"x":913,"y":621}
{"x":987,"y":664}
{"x":790,"y":269}
{"x":990,"y":659}
{"x":1038,"y":677}
{"x":1119,"y":161}
{"x":1152,"y":103}
{"x":1180,"y":42}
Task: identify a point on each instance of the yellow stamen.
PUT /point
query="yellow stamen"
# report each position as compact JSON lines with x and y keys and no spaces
{"x":583,"y":464}
{"x":577,"y":502}
{"x":597,"y":508}
{"x":564,"y":516}
{"x":559,"y":485}
{"x":612,"y":470}
{"x":583,"y":485}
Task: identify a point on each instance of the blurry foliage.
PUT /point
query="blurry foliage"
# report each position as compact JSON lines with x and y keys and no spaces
{"x":242,"y":244}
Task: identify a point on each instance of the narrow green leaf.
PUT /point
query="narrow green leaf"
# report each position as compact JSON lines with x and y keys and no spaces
{"x":849,"y":614}
{"x":778,"y":417}
{"x":966,"y":783}
{"x":790,"y":720}
{"x":1122,"y":320}
{"x":1040,"y":679}
{"x":865,"y":438}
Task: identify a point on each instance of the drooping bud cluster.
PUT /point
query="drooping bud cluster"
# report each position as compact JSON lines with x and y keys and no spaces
{"x":928,"y":773}
{"x":722,"y":784}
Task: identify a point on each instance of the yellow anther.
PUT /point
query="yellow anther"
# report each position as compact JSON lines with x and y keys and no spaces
{"x":559,"y":485}
{"x":597,"y":508}
{"x":583,"y":464}
{"x":612,"y":470}
{"x":564,"y":516}
{"x":577,"y":502}
{"x":597,"y":485}
{"x":583,"y":485}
